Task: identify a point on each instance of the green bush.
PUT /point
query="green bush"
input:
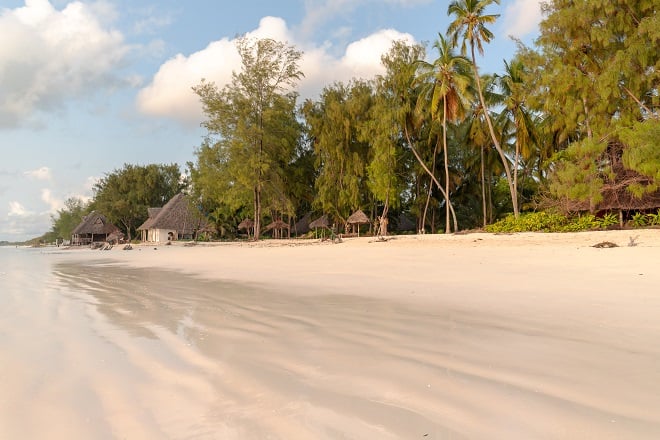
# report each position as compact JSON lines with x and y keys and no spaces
{"x":608,"y":220}
{"x":654,"y":219}
{"x":640,"y":220}
{"x":529,"y":222}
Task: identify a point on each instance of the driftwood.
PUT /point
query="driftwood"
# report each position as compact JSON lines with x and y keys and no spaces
{"x":605,"y":244}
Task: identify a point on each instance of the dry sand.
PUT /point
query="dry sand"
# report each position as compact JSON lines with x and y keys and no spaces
{"x":475,"y":336}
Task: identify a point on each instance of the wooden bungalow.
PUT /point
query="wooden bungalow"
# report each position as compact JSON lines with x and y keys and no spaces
{"x":177,"y":220}
{"x":94,"y":228}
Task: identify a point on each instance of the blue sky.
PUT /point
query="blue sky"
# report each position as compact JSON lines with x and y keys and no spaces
{"x":87,"y":86}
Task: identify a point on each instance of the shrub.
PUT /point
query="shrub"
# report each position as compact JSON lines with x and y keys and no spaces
{"x":608,"y":220}
{"x":640,"y":220}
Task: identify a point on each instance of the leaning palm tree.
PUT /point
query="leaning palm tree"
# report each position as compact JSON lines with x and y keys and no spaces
{"x":515,"y":109}
{"x":469,"y":24}
{"x":447,"y":79}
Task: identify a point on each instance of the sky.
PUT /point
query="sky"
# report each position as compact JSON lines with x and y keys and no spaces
{"x":88,"y":86}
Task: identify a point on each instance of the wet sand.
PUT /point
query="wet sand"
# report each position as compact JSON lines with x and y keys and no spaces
{"x":474,"y":336}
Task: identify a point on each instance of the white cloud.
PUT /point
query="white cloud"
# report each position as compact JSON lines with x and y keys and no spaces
{"x":522,"y":17}
{"x":48,"y":56}
{"x":17,"y":210}
{"x":169,"y":94}
{"x":42,"y":173}
{"x":53,"y":203}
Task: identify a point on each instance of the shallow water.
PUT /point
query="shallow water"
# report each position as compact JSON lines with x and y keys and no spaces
{"x":100,"y":351}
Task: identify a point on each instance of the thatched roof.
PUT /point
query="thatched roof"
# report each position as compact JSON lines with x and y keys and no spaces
{"x":177,"y":215}
{"x":358,"y":218}
{"x":95,"y":224}
{"x":321,"y":222}
{"x":277,"y":224}
{"x":617,"y":180}
{"x":405,"y":224}
{"x":246,"y":224}
{"x":302,"y":225}
{"x":153,"y":213}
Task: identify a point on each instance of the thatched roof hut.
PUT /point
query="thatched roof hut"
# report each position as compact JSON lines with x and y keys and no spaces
{"x":356,"y":219}
{"x":93,"y":228}
{"x":302,"y":226}
{"x":246,"y":224}
{"x":321,"y":222}
{"x":405,"y":224}
{"x":615,"y":192}
{"x":277,"y":227}
{"x":176,"y":220}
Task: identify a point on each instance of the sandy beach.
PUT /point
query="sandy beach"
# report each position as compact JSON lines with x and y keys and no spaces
{"x":432,"y":337}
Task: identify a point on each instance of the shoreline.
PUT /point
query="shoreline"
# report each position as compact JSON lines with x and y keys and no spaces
{"x":463,"y":336}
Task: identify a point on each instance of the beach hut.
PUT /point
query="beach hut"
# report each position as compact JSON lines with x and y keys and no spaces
{"x":177,"y":220}
{"x":404,"y":224}
{"x":278,"y":226}
{"x":94,"y":228}
{"x":356,"y":219}
{"x":321,"y":222}
{"x":247,"y":225}
{"x":301,"y":227}
{"x":615,"y":192}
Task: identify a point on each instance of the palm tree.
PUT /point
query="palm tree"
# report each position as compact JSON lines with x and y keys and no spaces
{"x":470,"y":23}
{"x":511,"y":86}
{"x":447,"y":80}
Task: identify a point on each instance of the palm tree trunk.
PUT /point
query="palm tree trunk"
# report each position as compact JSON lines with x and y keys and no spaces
{"x":421,"y":162}
{"x":428,"y":196}
{"x":444,"y":141}
{"x":492,"y":134}
{"x":483,"y":186}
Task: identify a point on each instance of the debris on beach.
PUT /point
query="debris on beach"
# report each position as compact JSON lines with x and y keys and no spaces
{"x":605,"y":244}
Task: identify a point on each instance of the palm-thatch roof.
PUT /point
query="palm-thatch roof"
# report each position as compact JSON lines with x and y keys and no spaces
{"x":615,"y":192}
{"x":321,"y":222}
{"x":177,"y":215}
{"x":153,"y":213}
{"x":405,"y":224}
{"x":277,"y":224}
{"x":94,"y":227}
{"x":302,"y":225}
{"x":95,"y":224}
{"x":246,"y":224}
{"x":358,"y":218}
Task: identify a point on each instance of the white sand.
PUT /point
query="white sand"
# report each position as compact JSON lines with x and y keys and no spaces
{"x":463,"y":336}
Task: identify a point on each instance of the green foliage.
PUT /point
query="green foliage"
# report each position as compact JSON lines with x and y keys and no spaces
{"x":608,"y":220}
{"x":642,"y":152}
{"x":640,"y":220}
{"x":654,"y":219}
{"x":577,"y":173}
{"x":67,"y":218}
{"x":253,"y":131}
{"x":124,"y":195}
{"x":529,"y":222}
{"x":551,"y":222}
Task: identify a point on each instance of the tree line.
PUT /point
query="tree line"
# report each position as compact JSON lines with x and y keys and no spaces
{"x":567,"y":120}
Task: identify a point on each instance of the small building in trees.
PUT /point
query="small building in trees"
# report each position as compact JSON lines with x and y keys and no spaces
{"x":622,"y":189}
{"x":94,"y":228}
{"x":177,"y":220}
{"x":355,"y":220}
